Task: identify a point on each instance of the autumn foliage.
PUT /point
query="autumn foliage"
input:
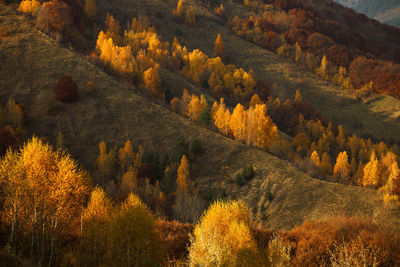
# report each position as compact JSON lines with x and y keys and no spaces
{"x":66,"y":90}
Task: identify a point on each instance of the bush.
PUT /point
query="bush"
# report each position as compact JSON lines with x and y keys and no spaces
{"x":66,"y":90}
{"x":178,"y":31}
{"x":248,"y":172}
{"x":175,"y":237}
{"x":90,"y":86}
{"x":314,"y":242}
{"x":196,"y":147}
{"x":239,"y":179}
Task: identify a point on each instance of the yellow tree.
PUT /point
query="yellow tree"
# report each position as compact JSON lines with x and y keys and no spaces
{"x":315,"y":160}
{"x":298,"y":98}
{"x":105,"y":162}
{"x":93,"y":230}
{"x":222,"y":118}
{"x":126,"y":156}
{"x":131,"y":236}
{"x":152,"y":81}
{"x":44,"y":189}
{"x":112,"y":28}
{"x":221,"y":233}
{"x":179,"y":8}
{"x":219,"y":47}
{"x":266,"y":130}
{"x":341,"y":138}
{"x":371,"y":172}
{"x":194,"y":108}
{"x":129,"y":181}
{"x":255,"y":99}
{"x":176,"y":104}
{"x":238,"y":123}
{"x":183,"y":178}
{"x":28,"y":6}
{"x":342,"y":167}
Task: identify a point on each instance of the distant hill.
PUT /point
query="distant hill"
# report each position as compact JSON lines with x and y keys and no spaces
{"x":387,"y":11}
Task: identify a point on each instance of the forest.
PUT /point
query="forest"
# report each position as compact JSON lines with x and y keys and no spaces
{"x":201,"y":133}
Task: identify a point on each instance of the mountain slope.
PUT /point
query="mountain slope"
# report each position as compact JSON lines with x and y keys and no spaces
{"x":380,"y":117}
{"x":387,"y":11}
{"x":30,"y":66}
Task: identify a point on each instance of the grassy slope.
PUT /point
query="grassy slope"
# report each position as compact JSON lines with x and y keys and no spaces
{"x":29,"y":67}
{"x":380,"y":117}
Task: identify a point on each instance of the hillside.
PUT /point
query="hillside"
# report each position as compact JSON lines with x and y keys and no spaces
{"x":115,"y":113}
{"x":384,"y":11}
{"x":379,"y":116}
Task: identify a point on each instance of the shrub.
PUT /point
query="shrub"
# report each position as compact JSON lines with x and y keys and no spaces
{"x":178,"y":31}
{"x":90,"y":86}
{"x":55,"y":16}
{"x":313,"y":242}
{"x":175,"y":237}
{"x":196,"y":147}
{"x":239,"y":179}
{"x":222,"y":232}
{"x":29,"y":6}
{"x":66,"y":90}
{"x":248,"y":172}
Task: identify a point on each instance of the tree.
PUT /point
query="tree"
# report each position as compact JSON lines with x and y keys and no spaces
{"x":13,"y":114}
{"x":238,"y":123}
{"x":326,"y":165}
{"x":298,"y":98}
{"x":152,"y":81}
{"x":190,"y":16}
{"x":55,"y":16}
{"x":342,"y":167}
{"x":219,"y":48}
{"x":105,"y":163}
{"x":315,"y":160}
{"x":255,"y":99}
{"x":371,"y":172}
{"x":131,"y":236}
{"x":222,"y":118}
{"x":47,"y":183}
{"x":221,"y":233}
{"x":183,"y":179}
{"x":90,"y":9}
{"x":126,"y":156}
{"x":28,"y":6}
{"x":66,"y":90}
{"x":194,"y":108}
{"x":95,"y":217}
{"x":179,"y":8}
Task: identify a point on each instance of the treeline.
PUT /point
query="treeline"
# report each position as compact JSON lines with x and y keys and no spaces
{"x":138,"y":54}
{"x":51,"y":215}
{"x":162,"y":180}
{"x":326,"y":44}
{"x":315,"y":145}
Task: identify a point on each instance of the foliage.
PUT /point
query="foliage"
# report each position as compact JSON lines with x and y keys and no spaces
{"x":48,"y":184}
{"x":222,"y":232}
{"x":66,"y":90}
{"x":28,"y":6}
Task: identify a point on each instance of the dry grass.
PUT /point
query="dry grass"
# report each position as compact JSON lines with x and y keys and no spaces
{"x":30,"y":66}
